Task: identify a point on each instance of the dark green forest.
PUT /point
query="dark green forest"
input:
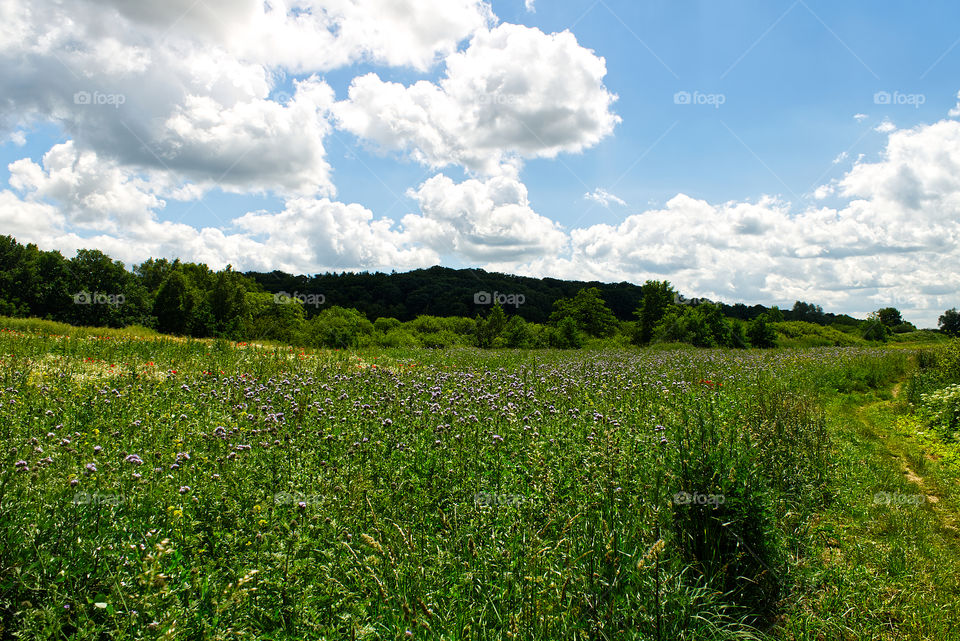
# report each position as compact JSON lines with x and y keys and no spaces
{"x":435,"y":307}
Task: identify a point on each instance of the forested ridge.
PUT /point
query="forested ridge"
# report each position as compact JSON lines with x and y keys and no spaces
{"x":432,"y":307}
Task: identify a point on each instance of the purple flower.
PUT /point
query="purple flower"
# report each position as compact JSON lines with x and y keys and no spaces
{"x":134,"y":459}
{"x":497,"y":438}
{"x":184,"y":489}
{"x":91,"y":468}
{"x":97,"y":449}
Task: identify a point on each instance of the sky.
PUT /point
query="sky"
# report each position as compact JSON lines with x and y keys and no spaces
{"x":755,"y":151}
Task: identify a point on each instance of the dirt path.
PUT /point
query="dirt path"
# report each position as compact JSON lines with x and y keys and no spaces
{"x":896,"y":448}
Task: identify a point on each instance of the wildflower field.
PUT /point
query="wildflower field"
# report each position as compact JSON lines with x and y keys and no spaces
{"x":155,"y":488}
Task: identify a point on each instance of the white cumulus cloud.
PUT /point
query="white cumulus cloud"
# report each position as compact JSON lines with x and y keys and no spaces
{"x":514,"y":92}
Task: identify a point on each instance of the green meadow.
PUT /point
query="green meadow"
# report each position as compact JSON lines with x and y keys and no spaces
{"x":162,"y":488}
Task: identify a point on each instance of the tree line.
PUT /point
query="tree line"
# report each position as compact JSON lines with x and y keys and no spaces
{"x":436,"y":307}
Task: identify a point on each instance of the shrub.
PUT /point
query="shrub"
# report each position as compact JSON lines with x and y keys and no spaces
{"x":566,"y":335}
{"x":338,"y":327}
{"x":761,"y":333}
{"x":941,"y":410}
{"x":397,"y":337}
{"x":384,"y":325}
{"x":516,"y":334}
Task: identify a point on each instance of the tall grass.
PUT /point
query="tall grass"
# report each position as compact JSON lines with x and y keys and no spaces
{"x":202,"y":489}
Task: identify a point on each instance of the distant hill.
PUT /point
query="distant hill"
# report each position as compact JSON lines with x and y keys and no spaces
{"x":441,"y":291}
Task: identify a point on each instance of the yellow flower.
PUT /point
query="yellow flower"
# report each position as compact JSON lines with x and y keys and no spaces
{"x":257,"y":508}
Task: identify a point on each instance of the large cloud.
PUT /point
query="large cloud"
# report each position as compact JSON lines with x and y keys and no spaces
{"x":185,"y":87}
{"x":316,"y":35}
{"x":514,"y":92}
{"x":481,"y":221}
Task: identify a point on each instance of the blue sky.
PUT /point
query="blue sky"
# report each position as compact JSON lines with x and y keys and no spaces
{"x":769,"y":190}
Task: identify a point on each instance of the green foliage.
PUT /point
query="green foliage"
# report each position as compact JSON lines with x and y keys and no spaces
{"x":949,"y":322}
{"x":941,"y":410}
{"x":701,"y":326}
{"x":227,"y":304}
{"x":761,"y":333}
{"x":873,"y":329}
{"x":516,"y":334}
{"x":657,"y":298}
{"x":937,"y":368}
{"x":385,"y":325}
{"x":292,"y":494}
{"x":890,"y":317}
{"x":566,"y":335}
{"x":589,"y":312}
{"x":724,"y":506}
{"x":904,"y":328}
{"x":800,"y":334}
{"x":189,"y":299}
{"x":269,"y":318}
{"x":806,"y":312}
{"x":175,"y":304}
{"x":488,"y":329}
{"x":397,"y":337}
{"x":338,"y":328}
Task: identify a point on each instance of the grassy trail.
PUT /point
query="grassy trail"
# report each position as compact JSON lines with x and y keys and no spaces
{"x":885,"y":562}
